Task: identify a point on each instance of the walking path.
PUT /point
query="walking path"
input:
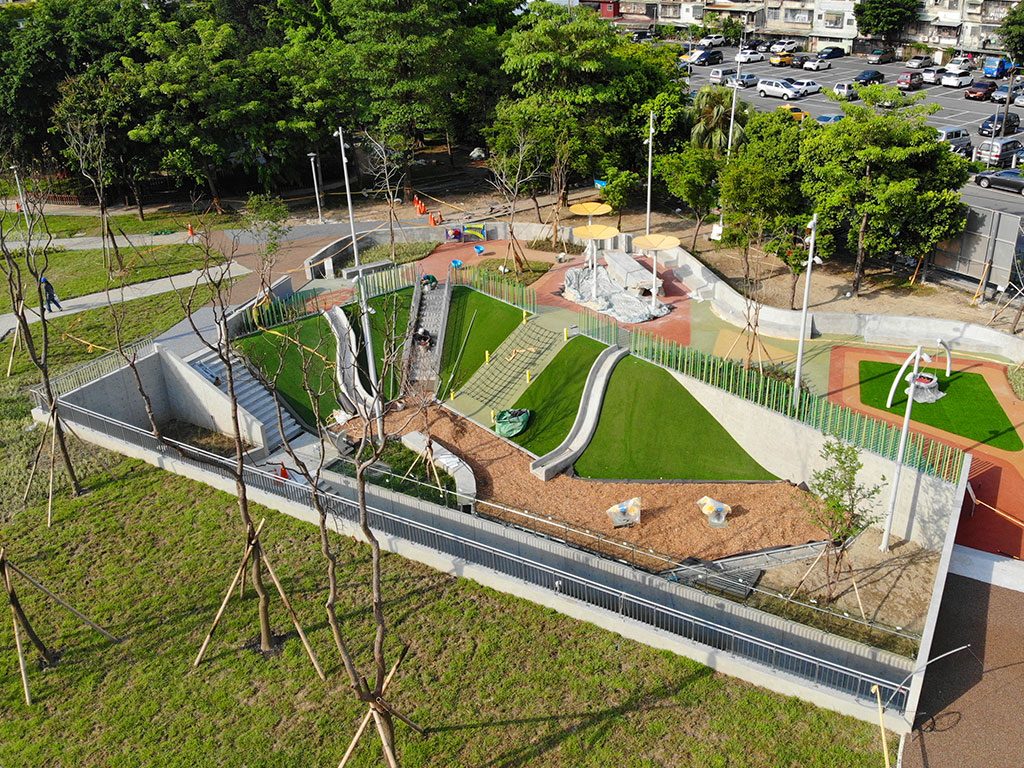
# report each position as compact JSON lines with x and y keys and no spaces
{"x":117,"y":295}
{"x":131,"y":241}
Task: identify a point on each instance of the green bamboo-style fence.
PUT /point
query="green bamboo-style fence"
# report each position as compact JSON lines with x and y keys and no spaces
{"x":388,"y":280}
{"x":932,"y":457}
{"x":276,"y":312}
{"x":496,"y":286}
{"x":600,"y":327}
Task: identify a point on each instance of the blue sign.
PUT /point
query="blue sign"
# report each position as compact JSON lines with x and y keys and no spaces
{"x":598,"y":184}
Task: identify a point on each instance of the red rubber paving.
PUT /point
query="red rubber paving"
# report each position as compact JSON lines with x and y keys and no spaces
{"x":997,"y":476}
{"x":969,"y":713}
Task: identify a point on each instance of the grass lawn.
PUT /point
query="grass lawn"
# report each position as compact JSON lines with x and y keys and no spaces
{"x":534,"y":271}
{"x":494,"y":321}
{"x":969,"y":408}
{"x":651,"y":428}
{"x":264,"y":350}
{"x":554,"y":397}
{"x":499,"y":681}
{"x":404,"y":252}
{"x":63,"y":225}
{"x":78,"y":273}
{"x":392,"y":312}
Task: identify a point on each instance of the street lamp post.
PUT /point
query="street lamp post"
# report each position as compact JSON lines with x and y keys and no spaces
{"x":813,"y":226}
{"x":915,"y":357}
{"x":371,"y":360}
{"x":316,"y":188}
{"x":650,"y":167}
{"x":348,"y":196}
{"x":21,"y":198}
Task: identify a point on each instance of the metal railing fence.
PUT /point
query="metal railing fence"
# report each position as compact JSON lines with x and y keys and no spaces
{"x":773,"y":656}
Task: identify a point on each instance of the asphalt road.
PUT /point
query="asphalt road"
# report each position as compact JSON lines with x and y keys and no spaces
{"x":956,"y":110}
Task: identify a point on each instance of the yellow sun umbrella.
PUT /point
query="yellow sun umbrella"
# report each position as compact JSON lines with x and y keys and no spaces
{"x":590,"y":209}
{"x":655,"y":243}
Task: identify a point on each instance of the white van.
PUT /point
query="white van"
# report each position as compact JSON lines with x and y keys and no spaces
{"x":721,"y":74}
{"x":960,"y":138}
{"x":780,"y":89}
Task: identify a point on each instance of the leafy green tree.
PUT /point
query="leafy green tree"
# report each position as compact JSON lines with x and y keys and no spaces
{"x":885,"y":18}
{"x":692,"y":176}
{"x":712,"y":116}
{"x":1011,"y":32}
{"x":882,"y":182}
{"x":732,"y":29}
{"x":621,"y":187}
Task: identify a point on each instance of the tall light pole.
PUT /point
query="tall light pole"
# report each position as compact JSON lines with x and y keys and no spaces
{"x":650,"y":167}
{"x":915,"y":357}
{"x":371,"y":360}
{"x":348,"y":195}
{"x":21,"y":197}
{"x":316,"y":188}
{"x":813,"y":227}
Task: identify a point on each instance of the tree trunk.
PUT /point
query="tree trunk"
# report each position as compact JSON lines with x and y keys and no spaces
{"x":62,"y":443}
{"x":211,"y":182}
{"x":696,"y":232}
{"x":792,"y":291}
{"x":113,"y":244}
{"x":536,"y":207}
{"x":858,"y":269}
{"x":48,"y":657}
{"x":137,"y":195}
{"x":1016,"y":317}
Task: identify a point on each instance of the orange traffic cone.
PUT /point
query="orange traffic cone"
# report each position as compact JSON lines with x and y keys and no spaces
{"x":416,"y":200}
{"x":440,"y":218}
{"x":17,"y":207}
{"x":191,"y":232}
{"x":433,"y":223}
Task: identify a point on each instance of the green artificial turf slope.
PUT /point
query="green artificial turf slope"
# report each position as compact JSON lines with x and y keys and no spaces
{"x":494,"y":321}
{"x":651,"y":428}
{"x":969,"y":409}
{"x":554,"y":397}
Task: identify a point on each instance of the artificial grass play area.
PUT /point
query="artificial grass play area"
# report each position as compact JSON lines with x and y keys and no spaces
{"x":651,"y":428}
{"x":554,"y":397}
{"x":264,"y":351}
{"x":388,"y":323}
{"x":969,"y":409}
{"x":494,"y":321}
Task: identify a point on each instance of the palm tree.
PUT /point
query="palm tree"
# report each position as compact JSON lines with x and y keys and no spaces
{"x":711,"y":113}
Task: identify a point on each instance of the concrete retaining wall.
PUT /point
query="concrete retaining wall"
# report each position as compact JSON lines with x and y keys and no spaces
{"x":926,"y":507}
{"x":116,"y":395}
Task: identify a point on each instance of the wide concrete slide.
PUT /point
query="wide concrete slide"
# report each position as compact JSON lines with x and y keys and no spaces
{"x":583,"y":428}
{"x":353,"y":398}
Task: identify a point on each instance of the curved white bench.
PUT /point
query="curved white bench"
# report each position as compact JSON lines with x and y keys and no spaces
{"x":576,"y":442}
{"x":353,"y":398}
{"x":465,"y":480}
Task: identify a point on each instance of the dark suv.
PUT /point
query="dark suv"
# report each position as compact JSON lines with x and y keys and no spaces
{"x":993,"y":126}
{"x":831,"y":52}
{"x":869,"y":77}
{"x":714,"y":56}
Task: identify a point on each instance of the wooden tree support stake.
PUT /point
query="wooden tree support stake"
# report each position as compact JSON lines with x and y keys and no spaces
{"x":53,"y":456}
{"x":39,"y":453}
{"x":369,"y":712}
{"x":60,"y":602}
{"x":291,"y":612}
{"x":224,"y":604}
{"x":808,"y":572}
{"x":856,"y":591}
{"x":17,"y":639}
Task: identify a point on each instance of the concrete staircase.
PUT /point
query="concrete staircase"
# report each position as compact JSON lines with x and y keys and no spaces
{"x":251,"y":395}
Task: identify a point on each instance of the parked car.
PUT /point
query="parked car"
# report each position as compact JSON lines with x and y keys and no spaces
{"x":999,"y":151}
{"x":1019,"y":101}
{"x":882,"y":56}
{"x":980,"y":91}
{"x":957,"y":138}
{"x":962,"y":64}
{"x":746,"y":80}
{"x":933,"y":74}
{"x":765,"y":46}
{"x":869,"y":77}
{"x":816,"y":64}
{"x":993,"y":126}
{"x":797,"y":113}
{"x":846,"y":90}
{"x":1010,"y":179}
{"x":720,"y":74}
{"x":807,"y":86}
{"x":781,"y":59}
{"x":997,"y":66}
{"x":909,"y":81}
{"x":799,"y":61}
{"x":785,"y":46}
{"x":831,"y":52}
{"x":706,"y":57}
{"x":642,"y":35}
{"x":711,"y":41}
{"x":957,"y":79}
{"x":829,"y":119}
{"x":749,"y":57}
{"x":920,"y":61}
{"x":779,"y":89}
{"x":753,"y":44}
{"x":1004,"y":92}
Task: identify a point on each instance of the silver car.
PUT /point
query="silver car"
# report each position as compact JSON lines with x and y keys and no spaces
{"x":780,"y":89}
{"x":933,"y":74}
{"x":920,"y":61}
{"x":1004,"y":92}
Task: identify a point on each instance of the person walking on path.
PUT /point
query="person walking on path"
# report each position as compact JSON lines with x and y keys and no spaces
{"x":51,"y":295}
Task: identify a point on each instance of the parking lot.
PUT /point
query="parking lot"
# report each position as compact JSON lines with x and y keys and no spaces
{"x":956,"y":110}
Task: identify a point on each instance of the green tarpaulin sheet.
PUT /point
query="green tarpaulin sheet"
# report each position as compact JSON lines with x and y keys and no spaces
{"x":511,"y":422}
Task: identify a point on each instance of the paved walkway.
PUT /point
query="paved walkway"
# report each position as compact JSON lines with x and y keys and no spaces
{"x":128,"y":293}
{"x":131,"y":241}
